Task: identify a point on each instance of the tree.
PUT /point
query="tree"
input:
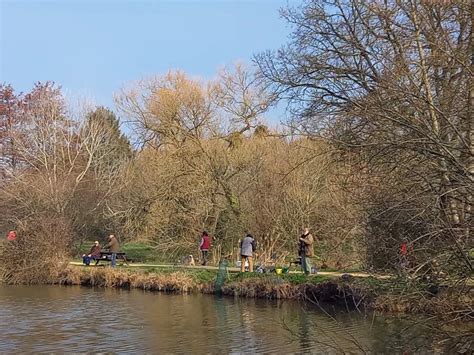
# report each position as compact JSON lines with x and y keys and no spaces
{"x":65,"y":169}
{"x":168,"y":110}
{"x":59,"y":160}
{"x":390,"y":80}
{"x":193,"y":126}
{"x":9,"y":105}
{"x":106,"y":177}
{"x":113,"y":140}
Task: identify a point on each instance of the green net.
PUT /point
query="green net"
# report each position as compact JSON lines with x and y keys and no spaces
{"x":221,"y":276}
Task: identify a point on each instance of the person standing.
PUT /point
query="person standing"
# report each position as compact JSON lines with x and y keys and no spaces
{"x":406,"y":250}
{"x":247,"y":247}
{"x":93,"y":254}
{"x":204,"y":246}
{"x":306,"y":250}
{"x":114,"y":248}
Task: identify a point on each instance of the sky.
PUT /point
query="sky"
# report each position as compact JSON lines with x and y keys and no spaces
{"x":92,"y":48}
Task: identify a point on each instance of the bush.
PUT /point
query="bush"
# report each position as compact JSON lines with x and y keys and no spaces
{"x":39,"y":253}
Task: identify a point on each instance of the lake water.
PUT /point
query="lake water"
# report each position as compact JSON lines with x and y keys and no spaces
{"x":77,"y":319}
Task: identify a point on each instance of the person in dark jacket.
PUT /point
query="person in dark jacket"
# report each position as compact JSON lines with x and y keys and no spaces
{"x":306,"y":250}
{"x":114,"y":248}
{"x":204,"y":246}
{"x":93,"y":254}
{"x":247,"y":247}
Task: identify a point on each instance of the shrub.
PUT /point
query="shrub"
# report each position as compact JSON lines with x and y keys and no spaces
{"x":39,"y":253}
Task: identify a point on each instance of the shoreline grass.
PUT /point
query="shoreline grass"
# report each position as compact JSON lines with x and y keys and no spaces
{"x":363,"y":294}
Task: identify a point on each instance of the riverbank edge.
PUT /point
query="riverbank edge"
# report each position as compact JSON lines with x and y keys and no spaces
{"x":363,"y":294}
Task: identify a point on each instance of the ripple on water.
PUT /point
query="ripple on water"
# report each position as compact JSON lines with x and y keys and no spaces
{"x":64,"y":319}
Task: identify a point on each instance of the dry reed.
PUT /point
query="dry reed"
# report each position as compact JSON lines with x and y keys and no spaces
{"x":176,"y":282}
{"x":352,"y":295}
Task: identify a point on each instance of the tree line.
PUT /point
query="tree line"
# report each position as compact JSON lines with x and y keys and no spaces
{"x":377,"y":150}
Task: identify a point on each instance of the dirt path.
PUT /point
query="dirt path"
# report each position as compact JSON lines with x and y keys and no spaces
{"x":234,"y":269}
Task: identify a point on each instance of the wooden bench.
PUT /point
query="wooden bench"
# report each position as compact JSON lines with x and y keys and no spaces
{"x":107,"y":256}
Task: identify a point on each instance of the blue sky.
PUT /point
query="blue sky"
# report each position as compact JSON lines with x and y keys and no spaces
{"x":93,"y":47}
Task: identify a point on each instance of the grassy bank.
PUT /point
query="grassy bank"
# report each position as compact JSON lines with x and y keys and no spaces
{"x":22,"y":265}
{"x":392,"y":295}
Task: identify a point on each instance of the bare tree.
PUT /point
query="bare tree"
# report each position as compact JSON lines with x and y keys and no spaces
{"x":168,"y":109}
{"x":389,"y":80}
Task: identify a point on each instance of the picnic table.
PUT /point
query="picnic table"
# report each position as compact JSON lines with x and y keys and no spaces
{"x":107,"y":256}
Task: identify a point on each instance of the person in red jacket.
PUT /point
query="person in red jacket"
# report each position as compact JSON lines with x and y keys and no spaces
{"x":406,"y":251}
{"x":204,"y":246}
{"x":11,"y":236}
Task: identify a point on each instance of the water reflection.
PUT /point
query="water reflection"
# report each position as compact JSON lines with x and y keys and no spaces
{"x":45,"y":319}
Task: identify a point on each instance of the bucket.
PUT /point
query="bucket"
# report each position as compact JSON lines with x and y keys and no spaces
{"x":278,"y":271}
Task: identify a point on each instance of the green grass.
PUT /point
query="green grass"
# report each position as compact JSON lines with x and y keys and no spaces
{"x":294,"y":279}
{"x":302,"y":278}
{"x":205,"y":276}
{"x":138,"y":252}
{"x":202,"y":276}
{"x":199,"y":275}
